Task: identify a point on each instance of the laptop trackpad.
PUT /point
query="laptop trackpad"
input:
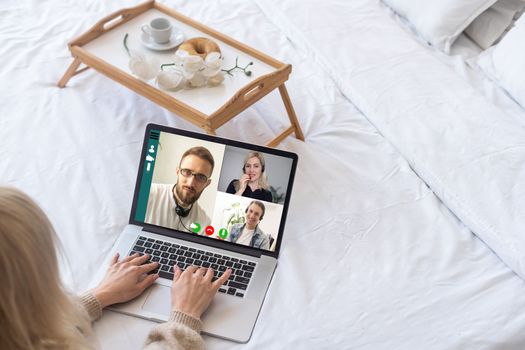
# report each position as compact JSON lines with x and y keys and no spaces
{"x":159,"y":300}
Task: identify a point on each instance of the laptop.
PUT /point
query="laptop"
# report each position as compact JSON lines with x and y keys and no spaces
{"x":222,"y":228}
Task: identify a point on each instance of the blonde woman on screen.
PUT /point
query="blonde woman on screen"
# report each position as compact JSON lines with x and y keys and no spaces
{"x":253,"y":181}
{"x":36,"y":311}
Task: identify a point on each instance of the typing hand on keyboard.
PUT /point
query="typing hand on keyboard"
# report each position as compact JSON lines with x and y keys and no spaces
{"x":193,"y":289}
{"x":169,"y":255}
{"x":125,"y":279}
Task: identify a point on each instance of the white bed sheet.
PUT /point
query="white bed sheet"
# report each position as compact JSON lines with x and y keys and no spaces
{"x":371,"y":258}
{"x":470,"y":151}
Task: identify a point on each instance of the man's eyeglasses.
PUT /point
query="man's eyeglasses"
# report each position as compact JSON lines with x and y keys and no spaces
{"x":201,"y":178}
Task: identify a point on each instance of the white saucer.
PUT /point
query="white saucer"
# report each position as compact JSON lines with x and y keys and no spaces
{"x":177,"y":37}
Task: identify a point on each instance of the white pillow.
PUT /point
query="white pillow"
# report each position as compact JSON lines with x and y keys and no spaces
{"x":492,"y":24}
{"x":440,"y":22}
{"x":505,"y":62}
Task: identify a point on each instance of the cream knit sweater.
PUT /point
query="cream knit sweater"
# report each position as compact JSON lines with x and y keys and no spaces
{"x":182,"y":331}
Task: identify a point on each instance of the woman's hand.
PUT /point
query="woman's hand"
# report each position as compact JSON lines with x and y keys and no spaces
{"x":125,"y":280}
{"x":193,"y":289}
{"x":243,"y":182}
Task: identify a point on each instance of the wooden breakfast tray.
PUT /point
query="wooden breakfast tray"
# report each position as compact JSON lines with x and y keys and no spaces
{"x":101,"y":48}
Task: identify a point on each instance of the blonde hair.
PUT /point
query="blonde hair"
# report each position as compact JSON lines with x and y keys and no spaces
{"x":36,"y":312}
{"x":263,"y":179}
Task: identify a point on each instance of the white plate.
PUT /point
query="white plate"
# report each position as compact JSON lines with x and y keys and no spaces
{"x":177,"y":37}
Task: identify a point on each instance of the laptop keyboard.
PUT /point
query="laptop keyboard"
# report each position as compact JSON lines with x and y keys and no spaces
{"x":170,"y":254}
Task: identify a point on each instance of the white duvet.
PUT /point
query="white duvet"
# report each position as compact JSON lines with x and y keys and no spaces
{"x":371,"y":257}
{"x":470,"y":152}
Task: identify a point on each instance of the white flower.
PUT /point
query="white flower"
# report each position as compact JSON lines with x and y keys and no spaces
{"x":179,"y":57}
{"x":169,"y":80}
{"x":142,"y":67}
{"x":192,"y":63}
{"x":212,"y":64}
{"x":210,"y":72}
{"x":197,"y":80}
{"x":216,"y":79}
{"x":192,"y":71}
{"x":213,"y":60}
{"x":188,"y":74}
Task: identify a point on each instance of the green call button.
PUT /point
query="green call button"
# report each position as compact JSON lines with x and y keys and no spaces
{"x":223,"y":233}
{"x":195,"y":227}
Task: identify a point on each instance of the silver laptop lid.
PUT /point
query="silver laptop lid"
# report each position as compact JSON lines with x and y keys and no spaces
{"x":218,"y":192}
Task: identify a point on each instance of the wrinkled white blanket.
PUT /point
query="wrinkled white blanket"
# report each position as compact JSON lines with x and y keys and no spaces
{"x":470,"y":152}
{"x":371,"y":258}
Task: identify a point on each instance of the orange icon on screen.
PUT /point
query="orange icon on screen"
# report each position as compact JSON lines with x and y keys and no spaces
{"x":209,"y":230}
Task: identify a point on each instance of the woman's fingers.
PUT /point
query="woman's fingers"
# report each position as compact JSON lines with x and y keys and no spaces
{"x":148,"y":267}
{"x":148,"y":281}
{"x":209,"y":274}
{"x":224,"y":277}
{"x":114,"y":259}
{"x":192,"y":269}
{"x":138,"y":259}
{"x":130,"y":257}
{"x":177,"y":274}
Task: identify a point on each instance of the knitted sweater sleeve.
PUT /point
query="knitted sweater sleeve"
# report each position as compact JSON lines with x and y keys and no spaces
{"x":182,"y":331}
{"x":91,"y":305}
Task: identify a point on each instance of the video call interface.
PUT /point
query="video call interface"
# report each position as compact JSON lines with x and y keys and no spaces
{"x":210,"y":189}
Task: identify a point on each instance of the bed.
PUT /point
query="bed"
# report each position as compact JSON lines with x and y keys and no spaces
{"x":405,"y":229}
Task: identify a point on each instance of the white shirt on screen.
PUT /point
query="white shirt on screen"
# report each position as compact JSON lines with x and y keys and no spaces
{"x":161,"y":210}
{"x":246,"y":236}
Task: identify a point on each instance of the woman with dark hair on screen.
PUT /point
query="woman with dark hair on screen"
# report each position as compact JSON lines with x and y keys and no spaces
{"x":38,"y":313}
{"x":253,"y":182}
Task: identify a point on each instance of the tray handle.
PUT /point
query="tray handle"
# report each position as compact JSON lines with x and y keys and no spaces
{"x":111,"y":21}
{"x":262,"y":86}
{"x":254,"y":91}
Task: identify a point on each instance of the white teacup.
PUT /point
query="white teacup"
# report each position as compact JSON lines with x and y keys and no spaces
{"x":159,"y":29}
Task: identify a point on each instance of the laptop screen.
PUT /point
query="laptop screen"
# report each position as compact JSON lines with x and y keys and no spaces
{"x":212,"y":187}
